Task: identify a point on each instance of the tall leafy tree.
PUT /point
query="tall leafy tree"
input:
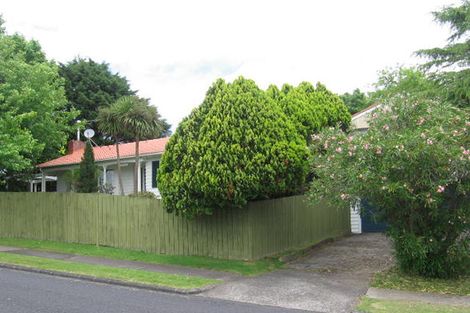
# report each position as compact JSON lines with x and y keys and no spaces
{"x":89,"y":86}
{"x":33,"y":120}
{"x":454,"y":59}
{"x":140,"y":120}
{"x":88,"y":173}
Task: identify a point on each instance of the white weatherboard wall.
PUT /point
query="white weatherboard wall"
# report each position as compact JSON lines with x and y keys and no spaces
{"x":356,"y":223}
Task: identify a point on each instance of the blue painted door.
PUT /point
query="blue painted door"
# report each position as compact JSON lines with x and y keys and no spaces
{"x":371,"y":222}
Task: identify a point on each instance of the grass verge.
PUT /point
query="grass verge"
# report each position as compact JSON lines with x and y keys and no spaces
{"x":368,"y":305}
{"x":128,"y":275}
{"x":394,"y":279}
{"x":241,"y":267}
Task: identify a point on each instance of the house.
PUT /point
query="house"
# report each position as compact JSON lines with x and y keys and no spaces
{"x":106,"y":159}
{"x":360,"y":120}
{"x":360,"y":123}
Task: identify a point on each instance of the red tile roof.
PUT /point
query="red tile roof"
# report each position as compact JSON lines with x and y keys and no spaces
{"x":126,"y":150}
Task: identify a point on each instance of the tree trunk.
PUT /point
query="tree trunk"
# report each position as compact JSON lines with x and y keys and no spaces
{"x":136,"y":167}
{"x":121,"y":187}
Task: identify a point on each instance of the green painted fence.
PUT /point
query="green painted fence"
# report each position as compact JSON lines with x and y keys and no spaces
{"x":263,"y":228}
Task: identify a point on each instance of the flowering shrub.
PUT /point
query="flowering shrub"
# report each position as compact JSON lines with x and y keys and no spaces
{"x":413,"y":164}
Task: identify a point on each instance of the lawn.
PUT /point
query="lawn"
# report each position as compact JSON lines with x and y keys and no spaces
{"x":393,"y":279}
{"x":235,"y":266}
{"x":128,"y":275}
{"x":369,"y":305}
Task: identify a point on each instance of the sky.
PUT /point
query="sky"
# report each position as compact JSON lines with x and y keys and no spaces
{"x":172,"y":51}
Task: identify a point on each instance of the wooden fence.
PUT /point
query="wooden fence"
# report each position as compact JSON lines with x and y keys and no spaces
{"x":263,"y":228}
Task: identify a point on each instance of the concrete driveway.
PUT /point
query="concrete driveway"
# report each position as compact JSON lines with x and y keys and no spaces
{"x":330,"y":278}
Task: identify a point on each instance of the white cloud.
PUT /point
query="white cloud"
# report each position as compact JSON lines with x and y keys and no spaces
{"x":171,"y":51}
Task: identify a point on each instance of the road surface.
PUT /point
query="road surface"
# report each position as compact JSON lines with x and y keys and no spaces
{"x":24,"y":292}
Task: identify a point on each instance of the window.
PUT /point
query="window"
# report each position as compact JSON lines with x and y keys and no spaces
{"x":155,"y":165}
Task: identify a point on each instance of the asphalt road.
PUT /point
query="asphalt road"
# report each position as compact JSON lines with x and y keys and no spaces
{"x":24,"y":292}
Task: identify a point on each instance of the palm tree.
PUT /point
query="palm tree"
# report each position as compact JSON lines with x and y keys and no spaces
{"x":109,"y":123}
{"x":141,"y":121}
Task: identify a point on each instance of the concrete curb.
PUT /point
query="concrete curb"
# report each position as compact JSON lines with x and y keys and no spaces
{"x":110,"y":281}
{"x":432,"y":298}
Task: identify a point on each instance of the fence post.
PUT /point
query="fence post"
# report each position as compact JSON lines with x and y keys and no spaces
{"x":100,"y":203}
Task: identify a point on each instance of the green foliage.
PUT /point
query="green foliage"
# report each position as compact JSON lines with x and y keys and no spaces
{"x":139,"y":120}
{"x":71,"y":178}
{"x":310,"y":108}
{"x":88,"y":175}
{"x":395,"y":279}
{"x":144,"y":194}
{"x":90,"y":86}
{"x":371,"y":305}
{"x":33,"y":122}
{"x":414,"y":166}
{"x":356,"y":101}
{"x":455,"y":83}
{"x":235,"y":147}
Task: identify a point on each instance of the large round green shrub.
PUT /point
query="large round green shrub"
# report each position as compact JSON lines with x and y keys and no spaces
{"x":235,"y":147}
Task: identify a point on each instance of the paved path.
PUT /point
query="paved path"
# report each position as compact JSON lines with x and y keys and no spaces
{"x":330,"y":278}
{"x":23,"y":292}
{"x":162,"y":268}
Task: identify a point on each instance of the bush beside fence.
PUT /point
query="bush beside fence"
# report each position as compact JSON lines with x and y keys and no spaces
{"x":263,"y":228}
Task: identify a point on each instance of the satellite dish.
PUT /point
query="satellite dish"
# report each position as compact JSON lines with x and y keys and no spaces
{"x":89,"y":133}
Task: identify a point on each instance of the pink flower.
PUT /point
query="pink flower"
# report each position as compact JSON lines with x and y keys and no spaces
{"x":466,"y":152}
{"x":386,"y":127}
{"x":366,"y":146}
{"x":429,"y":142}
{"x":339,"y":149}
{"x":350,"y":138}
{"x":440,"y":189}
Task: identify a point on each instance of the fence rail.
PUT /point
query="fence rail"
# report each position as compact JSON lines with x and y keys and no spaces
{"x":261,"y":229}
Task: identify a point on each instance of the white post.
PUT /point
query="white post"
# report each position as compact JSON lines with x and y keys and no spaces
{"x":43,"y":182}
{"x":139,"y":185}
{"x":31,"y":186}
{"x":104,"y":175}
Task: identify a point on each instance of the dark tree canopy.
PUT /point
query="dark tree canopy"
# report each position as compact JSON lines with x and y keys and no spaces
{"x":90,"y":85}
{"x":356,"y":101}
{"x":88,"y":173}
{"x":235,"y":147}
{"x":454,"y":57}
